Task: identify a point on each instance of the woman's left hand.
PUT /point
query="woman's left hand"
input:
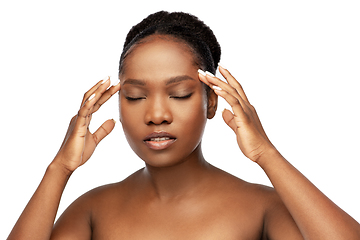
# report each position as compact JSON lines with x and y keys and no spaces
{"x":244,"y":120}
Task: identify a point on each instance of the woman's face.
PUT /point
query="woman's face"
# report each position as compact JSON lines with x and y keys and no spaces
{"x":163,"y":105}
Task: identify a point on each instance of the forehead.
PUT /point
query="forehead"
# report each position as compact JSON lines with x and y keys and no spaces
{"x":158,"y":57}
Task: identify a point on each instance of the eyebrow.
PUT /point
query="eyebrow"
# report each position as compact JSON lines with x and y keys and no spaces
{"x":134,"y":82}
{"x":178,"y":79}
{"x":168,"y":82}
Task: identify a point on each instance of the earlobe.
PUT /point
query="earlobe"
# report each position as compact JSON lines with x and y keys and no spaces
{"x":211,"y":104}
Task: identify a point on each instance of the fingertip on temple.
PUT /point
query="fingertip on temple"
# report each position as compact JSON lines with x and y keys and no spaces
{"x":201,"y":72}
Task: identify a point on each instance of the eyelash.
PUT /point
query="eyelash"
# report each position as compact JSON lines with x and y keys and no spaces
{"x":175,"y":97}
{"x":182,"y":97}
{"x":134,"y":99}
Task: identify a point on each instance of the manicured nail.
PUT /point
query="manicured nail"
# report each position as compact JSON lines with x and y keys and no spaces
{"x":222,"y":65}
{"x":202,"y":72}
{"x":113,"y":121}
{"x":105,"y":79}
{"x":91,"y":97}
{"x":115,"y":82}
{"x":216,"y":87}
{"x":210,"y":74}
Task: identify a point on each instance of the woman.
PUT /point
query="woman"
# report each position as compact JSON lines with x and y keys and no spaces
{"x":167,"y":91}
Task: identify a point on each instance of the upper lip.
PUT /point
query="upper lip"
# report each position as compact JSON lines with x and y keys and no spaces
{"x":158,"y":134}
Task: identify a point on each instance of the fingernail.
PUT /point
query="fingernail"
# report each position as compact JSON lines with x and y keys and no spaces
{"x":225,"y":109}
{"x":91,"y":97}
{"x":210,"y":74}
{"x":113,"y":121}
{"x":116,"y":82}
{"x":105,"y":79}
{"x":215,"y":87}
{"x":222,"y":65}
{"x":202,"y":72}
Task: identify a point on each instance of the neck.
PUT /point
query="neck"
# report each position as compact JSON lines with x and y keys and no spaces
{"x":182,"y":179}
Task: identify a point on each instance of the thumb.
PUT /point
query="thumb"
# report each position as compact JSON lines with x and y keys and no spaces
{"x":104,"y":130}
{"x":228,"y":117}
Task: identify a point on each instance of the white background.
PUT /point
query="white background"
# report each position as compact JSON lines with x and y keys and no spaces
{"x":298,"y":62}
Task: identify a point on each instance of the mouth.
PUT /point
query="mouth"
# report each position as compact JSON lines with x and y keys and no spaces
{"x":159,"y":140}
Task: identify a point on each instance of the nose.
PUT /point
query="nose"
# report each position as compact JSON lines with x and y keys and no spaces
{"x":158,"y":112}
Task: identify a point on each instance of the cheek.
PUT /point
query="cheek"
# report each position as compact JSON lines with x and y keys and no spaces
{"x":192,"y":113}
{"x":192,"y":118}
{"x":130,"y":122}
{"x":196,"y":110}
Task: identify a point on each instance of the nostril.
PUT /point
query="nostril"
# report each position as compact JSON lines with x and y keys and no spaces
{"x":158,"y":112}
{"x":158,"y":122}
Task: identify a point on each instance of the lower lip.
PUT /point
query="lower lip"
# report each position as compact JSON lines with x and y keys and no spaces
{"x":161,"y":145}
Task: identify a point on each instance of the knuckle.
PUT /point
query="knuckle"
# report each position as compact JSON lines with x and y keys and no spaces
{"x":74,"y":118}
{"x":234,"y":101}
{"x":86,"y":95}
{"x":81,"y":113}
{"x":97,"y":105}
{"x":233,"y":91}
{"x":250,"y":106}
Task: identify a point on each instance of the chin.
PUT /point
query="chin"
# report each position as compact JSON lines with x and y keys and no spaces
{"x":162,"y":159}
{"x":169,"y":157}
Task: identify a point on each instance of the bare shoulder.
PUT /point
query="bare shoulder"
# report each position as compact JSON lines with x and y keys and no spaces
{"x":109,"y":193}
{"x":77,"y":221}
{"x":238,"y":188}
{"x":262,"y":203}
{"x":239,"y":205}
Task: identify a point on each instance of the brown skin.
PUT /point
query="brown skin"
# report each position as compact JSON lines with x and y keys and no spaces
{"x":178,"y":195}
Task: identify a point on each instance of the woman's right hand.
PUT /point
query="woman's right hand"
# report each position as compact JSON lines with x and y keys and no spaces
{"x":79,"y":143}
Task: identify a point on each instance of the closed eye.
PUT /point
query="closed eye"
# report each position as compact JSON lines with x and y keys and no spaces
{"x":134,"y":99}
{"x":182,"y":97}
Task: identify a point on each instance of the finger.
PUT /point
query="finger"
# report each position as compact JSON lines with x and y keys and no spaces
{"x":98,"y":92}
{"x":229,"y":119}
{"x":106,"y":96}
{"x":84,"y":115}
{"x":91,"y":91}
{"x":103,"y":130}
{"x":239,"y":113}
{"x":216,"y":83}
{"x":202,"y":77}
{"x":233,"y":82}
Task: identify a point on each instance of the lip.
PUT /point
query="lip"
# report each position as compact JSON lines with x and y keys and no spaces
{"x":159,"y":144}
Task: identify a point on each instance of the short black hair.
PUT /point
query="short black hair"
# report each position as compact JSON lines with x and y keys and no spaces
{"x":182,"y":26}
